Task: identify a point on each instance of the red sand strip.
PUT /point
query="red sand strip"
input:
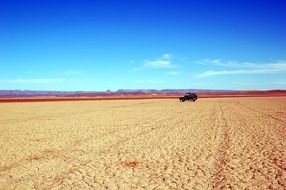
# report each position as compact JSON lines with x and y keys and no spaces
{"x":53,"y":99}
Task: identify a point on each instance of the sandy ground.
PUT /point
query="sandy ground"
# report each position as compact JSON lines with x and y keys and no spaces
{"x":232,"y":143}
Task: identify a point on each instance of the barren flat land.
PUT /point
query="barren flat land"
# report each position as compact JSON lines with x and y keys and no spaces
{"x":214,"y":143}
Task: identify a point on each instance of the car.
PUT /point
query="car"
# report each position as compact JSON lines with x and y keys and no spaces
{"x":189,"y":97}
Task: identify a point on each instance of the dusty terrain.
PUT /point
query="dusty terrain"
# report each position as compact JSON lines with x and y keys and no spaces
{"x":225,"y":143}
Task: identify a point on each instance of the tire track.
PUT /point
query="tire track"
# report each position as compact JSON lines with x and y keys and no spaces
{"x":220,"y":176}
{"x":260,"y":159}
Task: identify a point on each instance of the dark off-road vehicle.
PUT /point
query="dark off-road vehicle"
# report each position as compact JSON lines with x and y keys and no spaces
{"x":189,"y":97}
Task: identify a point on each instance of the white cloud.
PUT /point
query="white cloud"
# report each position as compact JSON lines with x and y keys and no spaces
{"x":230,"y":72}
{"x":164,"y":62}
{"x":32,"y":81}
{"x":217,"y":62}
{"x":242,"y":68}
{"x":159,"y":64}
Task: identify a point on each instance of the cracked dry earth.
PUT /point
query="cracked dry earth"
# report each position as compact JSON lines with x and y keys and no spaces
{"x":232,"y":143}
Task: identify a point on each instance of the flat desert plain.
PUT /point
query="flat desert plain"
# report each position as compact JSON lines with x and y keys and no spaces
{"x":223,"y":143}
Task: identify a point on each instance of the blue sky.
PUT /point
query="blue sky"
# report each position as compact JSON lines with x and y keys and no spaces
{"x":142,"y":44}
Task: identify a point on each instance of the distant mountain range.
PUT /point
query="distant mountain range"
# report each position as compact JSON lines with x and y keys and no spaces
{"x":32,"y":93}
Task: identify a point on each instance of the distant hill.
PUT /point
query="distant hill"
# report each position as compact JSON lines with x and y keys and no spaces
{"x":31,"y":93}
{"x":169,"y":91}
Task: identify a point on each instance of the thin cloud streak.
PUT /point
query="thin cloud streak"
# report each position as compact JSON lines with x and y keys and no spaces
{"x":159,"y":64}
{"x":219,"y":62}
{"x":232,"y":72}
{"x":164,"y":62}
{"x":245,"y":68}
